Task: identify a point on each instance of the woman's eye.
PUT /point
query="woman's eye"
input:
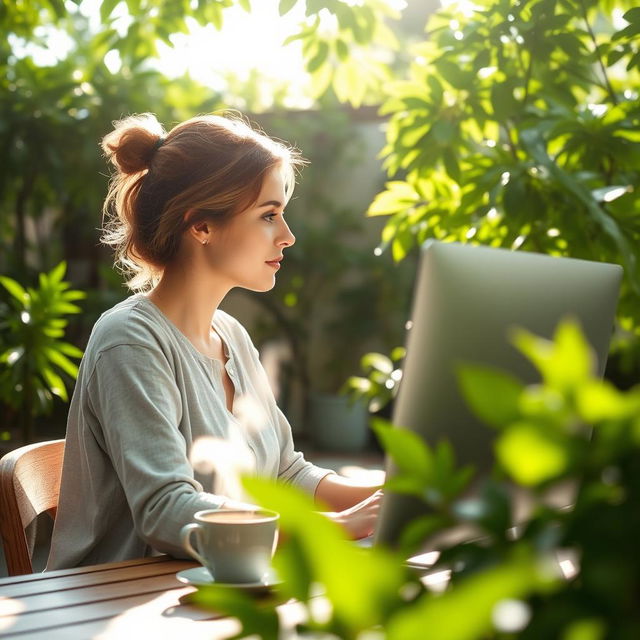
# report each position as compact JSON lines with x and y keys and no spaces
{"x":269,"y":217}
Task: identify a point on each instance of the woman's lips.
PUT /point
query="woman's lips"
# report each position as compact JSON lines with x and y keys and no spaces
{"x":274,"y":263}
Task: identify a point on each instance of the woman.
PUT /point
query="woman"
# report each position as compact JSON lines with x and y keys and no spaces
{"x":192,"y":214}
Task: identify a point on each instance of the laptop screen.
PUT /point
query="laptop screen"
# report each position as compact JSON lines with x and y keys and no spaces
{"x":466,"y":301}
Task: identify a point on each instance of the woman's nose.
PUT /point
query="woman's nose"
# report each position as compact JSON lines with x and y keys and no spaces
{"x":286,"y":237}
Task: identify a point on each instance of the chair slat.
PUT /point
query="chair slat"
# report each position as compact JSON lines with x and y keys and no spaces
{"x":29,"y":485}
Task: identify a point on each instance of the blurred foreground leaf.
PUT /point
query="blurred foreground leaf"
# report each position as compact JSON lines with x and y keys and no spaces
{"x":466,"y":612}
{"x":362,"y":585}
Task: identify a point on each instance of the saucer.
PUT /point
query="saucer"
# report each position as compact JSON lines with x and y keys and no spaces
{"x":200,"y":577}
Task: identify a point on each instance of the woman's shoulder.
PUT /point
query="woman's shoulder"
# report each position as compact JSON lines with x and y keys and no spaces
{"x":130,"y":322}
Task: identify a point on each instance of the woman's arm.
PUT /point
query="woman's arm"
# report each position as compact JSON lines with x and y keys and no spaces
{"x":138,"y":407}
{"x":356,"y":505}
{"x":340,"y":493}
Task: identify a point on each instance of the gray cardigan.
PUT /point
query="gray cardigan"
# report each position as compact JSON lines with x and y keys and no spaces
{"x":144,"y":394}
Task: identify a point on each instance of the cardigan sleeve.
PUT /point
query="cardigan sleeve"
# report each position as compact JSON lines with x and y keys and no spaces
{"x":293,"y":467}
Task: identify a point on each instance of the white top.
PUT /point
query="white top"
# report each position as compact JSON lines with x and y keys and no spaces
{"x":144,"y":394}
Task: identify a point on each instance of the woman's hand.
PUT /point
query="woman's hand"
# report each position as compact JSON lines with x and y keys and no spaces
{"x":360,"y":519}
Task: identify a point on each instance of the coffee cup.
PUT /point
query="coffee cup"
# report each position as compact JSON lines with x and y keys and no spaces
{"x":235,"y":546}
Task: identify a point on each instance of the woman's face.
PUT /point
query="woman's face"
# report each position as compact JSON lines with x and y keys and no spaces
{"x":246,"y":252}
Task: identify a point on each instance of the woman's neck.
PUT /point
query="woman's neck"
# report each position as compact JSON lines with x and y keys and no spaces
{"x":189,"y":300}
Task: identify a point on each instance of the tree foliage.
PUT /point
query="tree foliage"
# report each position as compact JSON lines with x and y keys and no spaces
{"x":513,"y":124}
{"x":53,"y":115}
{"x":517,"y":126}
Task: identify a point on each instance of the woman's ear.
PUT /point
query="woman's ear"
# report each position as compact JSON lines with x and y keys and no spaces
{"x":200,"y":231}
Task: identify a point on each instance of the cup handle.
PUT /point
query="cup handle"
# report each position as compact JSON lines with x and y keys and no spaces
{"x":185,"y":537}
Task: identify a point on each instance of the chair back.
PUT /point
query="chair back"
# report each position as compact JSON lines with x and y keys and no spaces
{"x":29,"y":486}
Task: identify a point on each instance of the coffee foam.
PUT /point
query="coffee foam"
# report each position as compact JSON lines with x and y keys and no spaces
{"x":236,"y":517}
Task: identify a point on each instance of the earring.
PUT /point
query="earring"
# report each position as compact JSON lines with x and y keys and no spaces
{"x":204,"y":242}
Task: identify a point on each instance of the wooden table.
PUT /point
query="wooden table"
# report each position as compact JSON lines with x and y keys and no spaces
{"x":133,"y":599}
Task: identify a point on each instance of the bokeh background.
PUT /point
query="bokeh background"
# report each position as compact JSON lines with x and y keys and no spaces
{"x":511,"y":124}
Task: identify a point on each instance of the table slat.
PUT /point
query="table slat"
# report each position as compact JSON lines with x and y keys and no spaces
{"x":133,"y":607}
{"x":220,"y":629}
{"x":81,"y":579}
{"x":157,"y":619}
{"x":43,"y":606}
{"x":94,"y":568}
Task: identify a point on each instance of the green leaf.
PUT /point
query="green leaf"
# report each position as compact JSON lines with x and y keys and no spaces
{"x":497,"y":516}
{"x":319,"y":58}
{"x":615,"y":55}
{"x":531,"y":456}
{"x":360,"y":596}
{"x":401,"y":244}
{"x":58,"y":8}
{"x":53,"y":332}
{"x":65,"y":307}
{"x":514,"y":194}
{"x":12,"y":355}
{"x":15,"y":289}
{"x":441,"y":618}
{"x":491,"y":394}
{"x":586,"y":629}
{"x":633,"y":15}
{"x":349,"y":83}
{"x":599,"y":400}
{"x":59,"y":359}
{"x":443,"y":132}
{"x":398,"y":196}
{"x":69,"y":349}
{"x":454,"y":74}
{"x":257,"y":621}
{"x":213,"y":12}
{"x":342,"y":50}
{"x":43,"y":283}
{"x":629,"y":32}
{"x":417,"y":531}
{"x":246,"y":5}
{"x":293,"y":37}
{"x":451,"y":165}
{"x":291,"y":561}
{"x":565,"y":363}
{"x":69,"y":296}
{"x":285,"y":6}
{"x":57,"y":273}
{"x":634,"y":61}
{"x":377,"y":361}
{"x":106,"y":8}
{"x":55,"y":384}
{"x":409,"y":452}
{"x":410,"y":137}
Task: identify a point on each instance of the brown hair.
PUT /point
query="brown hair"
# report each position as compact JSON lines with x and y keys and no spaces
{"x":211,"y":165}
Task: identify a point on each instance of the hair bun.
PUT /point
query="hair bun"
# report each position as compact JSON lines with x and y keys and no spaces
{"x":133,"y":142}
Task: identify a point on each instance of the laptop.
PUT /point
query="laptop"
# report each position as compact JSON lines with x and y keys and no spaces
{"x":466,"y":301}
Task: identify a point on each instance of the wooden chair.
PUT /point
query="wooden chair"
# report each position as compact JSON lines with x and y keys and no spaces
{"x":29,"y":486}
